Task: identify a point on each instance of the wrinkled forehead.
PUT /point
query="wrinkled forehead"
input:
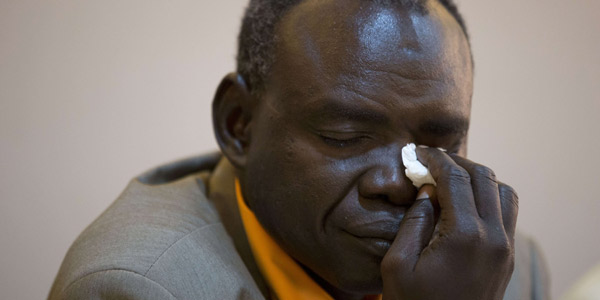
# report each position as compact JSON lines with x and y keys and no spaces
{"x":350,"y":36}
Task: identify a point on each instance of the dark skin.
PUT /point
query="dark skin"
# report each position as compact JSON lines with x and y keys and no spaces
{"x":318,"y":155}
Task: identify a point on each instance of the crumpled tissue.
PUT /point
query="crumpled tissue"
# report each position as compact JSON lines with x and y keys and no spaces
{"x":415,"y":170}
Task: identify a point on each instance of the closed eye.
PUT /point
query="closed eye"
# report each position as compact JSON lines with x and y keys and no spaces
{"x":341,"y":142}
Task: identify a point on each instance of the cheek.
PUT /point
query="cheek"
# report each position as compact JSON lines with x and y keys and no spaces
{"x":291,"y":186}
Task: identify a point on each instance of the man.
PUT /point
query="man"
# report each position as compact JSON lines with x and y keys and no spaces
{"x":310,"y":200}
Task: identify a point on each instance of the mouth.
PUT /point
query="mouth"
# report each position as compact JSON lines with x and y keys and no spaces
{"x":373,"y":234}
{"x":374,"y":228}
{"x":374,"y":245}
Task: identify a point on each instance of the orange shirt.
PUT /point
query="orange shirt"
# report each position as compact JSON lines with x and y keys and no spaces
{"x":285,"y":277}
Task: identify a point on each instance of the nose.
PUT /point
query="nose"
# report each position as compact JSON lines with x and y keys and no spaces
{"x":386,"y":181}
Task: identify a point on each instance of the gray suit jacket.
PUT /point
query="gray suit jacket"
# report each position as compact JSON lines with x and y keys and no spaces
{"x":164,"y":239}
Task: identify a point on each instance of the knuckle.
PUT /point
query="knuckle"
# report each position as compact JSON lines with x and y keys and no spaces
{"x":511,"y":263}
{"x":472,"y":235}
{"x":500,"y":248}
{"x":457,"y":175}
{"x":482,"y":171}
{"x":508,"y":193}
{"x":508,"y":190}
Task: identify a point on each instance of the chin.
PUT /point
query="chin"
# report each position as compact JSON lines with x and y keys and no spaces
{"x":362,"y":282}
{"x":371,"y":286}
{"x":348,"y":279}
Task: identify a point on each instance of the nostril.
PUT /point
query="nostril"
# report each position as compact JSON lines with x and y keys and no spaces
{"x":380,"y":197}
{"x":384,"y":197}
{"x":386,"y":183}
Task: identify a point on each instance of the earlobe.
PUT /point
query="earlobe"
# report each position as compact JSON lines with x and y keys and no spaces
{"x":232,"y":113}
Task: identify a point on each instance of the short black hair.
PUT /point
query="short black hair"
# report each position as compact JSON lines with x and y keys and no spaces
{"x":257,"y":36}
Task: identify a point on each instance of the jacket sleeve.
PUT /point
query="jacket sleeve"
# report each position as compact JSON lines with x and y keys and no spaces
{"x":113,"y":284}
{"x":540,"y":279}
{"x":530,"y":280}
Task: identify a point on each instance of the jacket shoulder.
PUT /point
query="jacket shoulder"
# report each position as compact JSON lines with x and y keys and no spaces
{"x":162,"y":234}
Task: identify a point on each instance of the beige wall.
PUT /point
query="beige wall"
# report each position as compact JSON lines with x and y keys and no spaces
{"x":94,"y":92}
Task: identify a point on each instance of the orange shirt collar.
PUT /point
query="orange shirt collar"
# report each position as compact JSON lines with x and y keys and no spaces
{"x":284,"y":276}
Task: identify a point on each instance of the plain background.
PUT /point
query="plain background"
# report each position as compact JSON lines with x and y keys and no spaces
{"x":95,"y":92}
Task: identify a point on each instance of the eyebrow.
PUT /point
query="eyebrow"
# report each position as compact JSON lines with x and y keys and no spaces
{"x":445,"y":126}
{"x":339,"y":111}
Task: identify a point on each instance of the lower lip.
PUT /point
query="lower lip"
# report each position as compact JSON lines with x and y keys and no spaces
{"x":376,"y":246}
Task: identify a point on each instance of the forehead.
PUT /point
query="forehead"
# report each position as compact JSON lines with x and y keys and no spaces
{"x":347,"y":46}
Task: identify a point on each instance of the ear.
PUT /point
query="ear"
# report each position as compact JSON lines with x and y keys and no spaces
{"x":232,"y":110}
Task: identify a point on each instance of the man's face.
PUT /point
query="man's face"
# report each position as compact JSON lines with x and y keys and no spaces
{"x":351,"y":85}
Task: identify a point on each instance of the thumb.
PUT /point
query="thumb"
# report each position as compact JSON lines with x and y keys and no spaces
{"x":416,"y":229}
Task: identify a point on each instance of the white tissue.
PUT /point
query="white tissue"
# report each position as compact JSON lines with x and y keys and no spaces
{"x":415,"y":170}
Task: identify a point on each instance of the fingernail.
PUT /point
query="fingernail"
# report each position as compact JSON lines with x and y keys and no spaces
{"x":423,"y":195}
{"x":425,"y":192}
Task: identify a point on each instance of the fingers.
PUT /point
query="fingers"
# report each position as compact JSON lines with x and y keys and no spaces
{"x":485,"y":190}
{"x":510,"y":209}
{"x":454,"y":192}
{"x":497,"y":203}
{"x":413,"y":236}
{"x":466,"y":189}
{"x":427,"y":191}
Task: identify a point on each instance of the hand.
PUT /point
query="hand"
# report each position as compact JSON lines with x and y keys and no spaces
{"x":470,"y":254}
